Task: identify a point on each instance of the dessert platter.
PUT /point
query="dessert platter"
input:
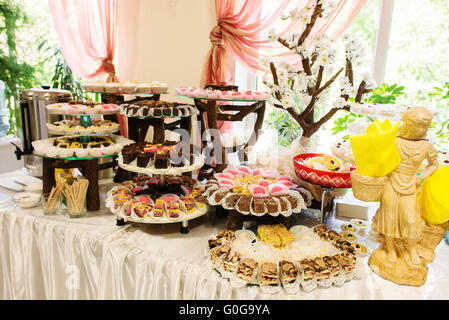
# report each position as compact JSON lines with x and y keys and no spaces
{"x":323,"y":170}
{"x":255,"y":191}
{"x":148,"y":199}
{"x":73,"y":147}
{"x":154,"y":87}
{"x":158,"y":109}
{"x":169,"y":157}
{"x":78,"y":107}
{"x":70,"y":127}
{"x":215,"y":94}
{"x":278,"y":258}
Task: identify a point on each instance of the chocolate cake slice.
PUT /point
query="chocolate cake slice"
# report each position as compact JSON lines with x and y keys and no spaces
{"x":143,"y":159}
{"x":161,"y":161}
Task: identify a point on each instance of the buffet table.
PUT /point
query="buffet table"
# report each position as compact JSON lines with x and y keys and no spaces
{"x":56,"y":257}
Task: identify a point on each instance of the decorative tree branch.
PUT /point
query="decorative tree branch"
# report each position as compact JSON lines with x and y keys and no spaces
{"x":307,"y":84}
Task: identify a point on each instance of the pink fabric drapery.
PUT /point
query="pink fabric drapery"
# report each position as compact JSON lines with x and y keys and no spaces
{"x":87,"y":33}
{"x":238,"y":34}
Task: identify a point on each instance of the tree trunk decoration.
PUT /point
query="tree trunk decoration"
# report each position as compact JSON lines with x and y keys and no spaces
{"x":298,"y":90}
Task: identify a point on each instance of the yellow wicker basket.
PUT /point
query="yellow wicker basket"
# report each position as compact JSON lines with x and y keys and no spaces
{"x":367,"y":188}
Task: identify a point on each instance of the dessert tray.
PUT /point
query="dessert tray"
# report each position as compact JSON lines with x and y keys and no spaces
{"x":255,"y":191}
{"x":168,"y":158}
{"x":151,"y":200}
{"x":324,"y":170}
{"x":69,"y":127}
{"x":76,"y":147}
{"x":158,"y":109}
{"x":77,"y":107}
{"x":215,"y":94}
{"x":279,"y":258}
{"x":126,"y":87}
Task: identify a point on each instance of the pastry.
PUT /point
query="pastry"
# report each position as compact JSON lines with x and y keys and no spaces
{"x":289,"y":271}
{"x":269,"y":274}
{"x":246,"y":269}
{"x":244,"y":203}
{"x":321,"y":269}
{"x":231,"y":261}
{"x":159,"y":208}
{"x":216,"y":252}
{"x":332,"y":265}
{"x":173,"y":209}
{"x":308,"y":269}
{"x":349,"y":227}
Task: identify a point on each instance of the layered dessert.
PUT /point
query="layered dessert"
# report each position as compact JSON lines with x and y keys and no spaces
{"x":246,"y":269}
{"x":269,"y":274}
{"x":289,"y":271}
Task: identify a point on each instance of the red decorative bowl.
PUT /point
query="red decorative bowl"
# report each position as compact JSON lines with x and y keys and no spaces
{"x":319,"y":177}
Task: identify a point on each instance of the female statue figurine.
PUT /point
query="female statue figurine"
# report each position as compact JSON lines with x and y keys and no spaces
{"x":398,"y":217}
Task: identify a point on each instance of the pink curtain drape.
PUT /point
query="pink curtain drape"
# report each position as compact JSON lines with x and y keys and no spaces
{"x":239,"y":29}
{"x":87,"y":33}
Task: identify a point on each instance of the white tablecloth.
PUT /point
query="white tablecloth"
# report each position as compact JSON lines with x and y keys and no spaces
{"x":55,"y":257}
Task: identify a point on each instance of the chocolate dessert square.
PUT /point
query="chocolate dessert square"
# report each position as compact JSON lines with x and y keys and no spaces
{"x":244,"y":203}
{"x":142,"y":160}
{"x":272,"y":205}
{"x":232,"y":200}
{"x":258,"y":205}
{"x":176,"y":112}
{"x":161,"y":161}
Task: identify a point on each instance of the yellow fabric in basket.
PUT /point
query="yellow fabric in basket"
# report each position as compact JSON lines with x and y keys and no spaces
{"x":375,"y":152}
{"x":433,"y":199}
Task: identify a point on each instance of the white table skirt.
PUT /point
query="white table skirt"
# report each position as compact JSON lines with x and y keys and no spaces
{"x":43,"y":257}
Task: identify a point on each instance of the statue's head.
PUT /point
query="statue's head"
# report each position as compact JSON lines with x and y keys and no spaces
{"x":417,"y":121}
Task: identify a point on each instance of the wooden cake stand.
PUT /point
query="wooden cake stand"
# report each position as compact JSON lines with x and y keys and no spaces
{"x":213,"y":111}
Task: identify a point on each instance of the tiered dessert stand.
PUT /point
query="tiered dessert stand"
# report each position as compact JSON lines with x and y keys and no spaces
{"x":89,"y":166}
{"x":161,"y":175}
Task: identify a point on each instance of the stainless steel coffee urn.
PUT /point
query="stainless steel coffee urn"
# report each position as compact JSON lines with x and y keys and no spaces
{"x":35,"y":119}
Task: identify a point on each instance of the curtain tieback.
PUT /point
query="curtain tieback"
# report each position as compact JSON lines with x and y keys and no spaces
{"x":216,"y":36}
{"x":109,"y":68}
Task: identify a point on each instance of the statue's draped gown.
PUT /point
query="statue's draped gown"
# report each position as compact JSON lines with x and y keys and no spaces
{"x":398,"y":215}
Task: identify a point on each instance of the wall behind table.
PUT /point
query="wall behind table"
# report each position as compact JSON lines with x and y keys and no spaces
{"x":164,"y":40}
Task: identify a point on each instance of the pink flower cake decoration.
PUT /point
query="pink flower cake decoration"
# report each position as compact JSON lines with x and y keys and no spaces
{"x":277,"y":189}
{"x":258,"y":191}
{"x":226,"y":183}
